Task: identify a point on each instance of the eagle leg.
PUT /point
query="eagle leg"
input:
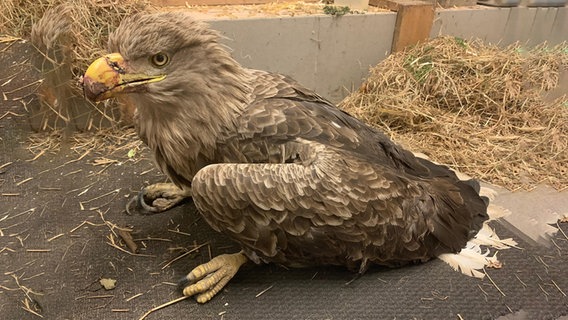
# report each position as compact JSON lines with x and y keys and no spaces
{"x":207,"y":279}
{"x":159,"y":197}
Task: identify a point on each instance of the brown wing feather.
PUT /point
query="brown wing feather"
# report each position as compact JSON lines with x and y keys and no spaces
{"x":345,"y":189}
{"x":337,"y":210}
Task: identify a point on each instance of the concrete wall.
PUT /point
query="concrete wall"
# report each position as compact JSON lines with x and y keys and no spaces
{"x":332,"y":55}
{"x":329,"y":55}
{"x":504,"y":26}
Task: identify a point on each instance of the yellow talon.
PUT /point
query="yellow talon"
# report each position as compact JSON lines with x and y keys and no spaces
{"x":208,"y":279}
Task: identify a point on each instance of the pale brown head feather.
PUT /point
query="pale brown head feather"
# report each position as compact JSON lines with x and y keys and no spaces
{"x":203,"y":92}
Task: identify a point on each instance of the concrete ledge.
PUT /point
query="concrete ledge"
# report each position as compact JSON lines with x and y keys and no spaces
{"x":332,"y":55}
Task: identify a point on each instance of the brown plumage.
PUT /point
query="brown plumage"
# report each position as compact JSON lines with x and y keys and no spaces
{"x":276,"y":167}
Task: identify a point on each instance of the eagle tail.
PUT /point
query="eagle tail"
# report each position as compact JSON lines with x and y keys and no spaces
{"x":475,"y":256}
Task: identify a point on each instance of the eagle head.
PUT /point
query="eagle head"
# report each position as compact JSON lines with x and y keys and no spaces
{"x":161,"y":59}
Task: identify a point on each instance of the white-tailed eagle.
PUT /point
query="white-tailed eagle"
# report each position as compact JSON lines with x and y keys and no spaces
{"x":282,"y":171}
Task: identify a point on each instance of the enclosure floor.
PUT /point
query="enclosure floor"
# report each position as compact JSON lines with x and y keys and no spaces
{"x":56,"y":244}
{"x":61,"y":249}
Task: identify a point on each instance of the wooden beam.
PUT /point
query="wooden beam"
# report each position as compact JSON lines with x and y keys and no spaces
{"x":414,"y":22}
{"x":168,"y":3}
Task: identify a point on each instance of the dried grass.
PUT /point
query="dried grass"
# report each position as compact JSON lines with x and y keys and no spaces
{"x":475,"y":107}
{"x":106,"y":142}
{"x":271,"y":9}
{"x":68,"y":35}
{"x":92,"y":21}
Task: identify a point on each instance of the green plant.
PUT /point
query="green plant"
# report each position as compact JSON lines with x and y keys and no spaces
{"x":336,"y":10}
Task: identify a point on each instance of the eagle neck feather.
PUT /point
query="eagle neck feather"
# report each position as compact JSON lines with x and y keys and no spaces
{"x":184,"y":139}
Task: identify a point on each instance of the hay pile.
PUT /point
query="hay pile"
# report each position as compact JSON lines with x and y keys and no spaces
{"x":68,"y":35}
{"x":92,"y":21}
{"x":478,"y":108}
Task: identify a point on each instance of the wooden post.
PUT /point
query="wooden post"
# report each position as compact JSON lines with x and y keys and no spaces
{"x":414,"y":21}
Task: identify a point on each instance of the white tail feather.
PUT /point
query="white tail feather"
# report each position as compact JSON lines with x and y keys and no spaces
{"x":487,"y":237}
{"x":471,"y":260}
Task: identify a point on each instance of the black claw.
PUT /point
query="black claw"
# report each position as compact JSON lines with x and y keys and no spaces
{"x":129,"y":204}
{"x":356,"y":277}
{"x":183,"y":282}
{"x":145,"y":208}
{"x":140,"y":204}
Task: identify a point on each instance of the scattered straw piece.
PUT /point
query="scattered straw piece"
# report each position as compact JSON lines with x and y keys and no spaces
{"x":263,"y":291}
{"x":561,"y":231}
{"x":104,"y":161}
{"x":29,"y":212}
{"x":24,"y":181}
{"x":542,"y":289}
{"x":8,"y":39}
{"x":55,"y":237}
{"x":521,"y":281}
{"x":493,"y":282}
{"x":6,"y":164}
{"x":163,"y":306}
{"x":9,"y":113}
{"x":557,"y":287}
{"x":134,"y":297}
{"x":104,"y":296}
{"x":179,"y":232}
{"x":84,"y":223}
{"x":34,"y":83}
{"x":183,"y":255}
{"x":112,"y":243}
{"x":72,"y":172}
{"x":6,"y":248}
{"x":27,"y":306}
{"x":49,"y":188}
{"x":34,"y":276}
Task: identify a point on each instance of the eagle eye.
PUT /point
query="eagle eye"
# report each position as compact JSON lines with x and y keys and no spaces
{"x":160,"y":59}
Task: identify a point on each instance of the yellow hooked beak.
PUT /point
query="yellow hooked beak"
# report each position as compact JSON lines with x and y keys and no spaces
{"x":108,"y":76}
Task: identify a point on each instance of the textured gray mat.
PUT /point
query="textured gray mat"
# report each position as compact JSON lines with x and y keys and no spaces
{"x":66,"y":269}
